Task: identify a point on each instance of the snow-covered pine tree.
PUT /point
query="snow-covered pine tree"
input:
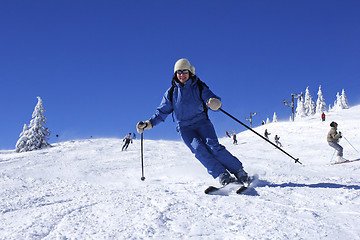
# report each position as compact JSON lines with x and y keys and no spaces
{"x":36,"y":133}
{"x":267,"y":120}
{"x":21,"y":143}
{"x":309,"y":104}
{"x":300,"y":109}
{"x":344,"y":100}
{"x":275,"y":119}
{"x":320,"y":103}
{"x":338,"y":103}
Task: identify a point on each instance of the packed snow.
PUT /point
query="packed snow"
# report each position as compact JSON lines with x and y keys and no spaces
{"x":90,"y":189}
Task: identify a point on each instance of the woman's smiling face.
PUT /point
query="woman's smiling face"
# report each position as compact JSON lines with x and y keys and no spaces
{"x":182,"y":75}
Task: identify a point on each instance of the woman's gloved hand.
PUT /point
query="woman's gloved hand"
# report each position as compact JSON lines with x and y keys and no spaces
{"x":214,"y":104}
{"x":140,"y":126}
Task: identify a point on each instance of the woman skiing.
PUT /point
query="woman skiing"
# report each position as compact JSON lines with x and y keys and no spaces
{"x":186,"y":99}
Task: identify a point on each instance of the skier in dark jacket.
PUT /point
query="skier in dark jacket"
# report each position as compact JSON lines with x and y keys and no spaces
{"x":234,"y":138}
{"x":193,"y":124}
{"x":277,"y":142}
{"x":127,"y":139}
{"x":266,"y":134}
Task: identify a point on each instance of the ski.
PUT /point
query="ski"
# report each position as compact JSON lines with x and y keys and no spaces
{"x":212,"y":189}
{"x":240,"y":190}
{"x":347,"y":161}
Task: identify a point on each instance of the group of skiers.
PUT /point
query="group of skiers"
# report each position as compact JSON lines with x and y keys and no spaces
{"x":276,"y":138}
{"x":333,"y":138}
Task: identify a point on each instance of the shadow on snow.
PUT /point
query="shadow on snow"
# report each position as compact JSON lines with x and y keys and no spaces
{"x":263,"y":183}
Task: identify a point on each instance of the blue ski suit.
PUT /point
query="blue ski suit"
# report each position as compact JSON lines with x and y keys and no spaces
{"x":195,"y":128}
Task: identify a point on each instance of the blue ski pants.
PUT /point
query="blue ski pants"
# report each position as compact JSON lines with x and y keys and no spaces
{"x":201,"y":138}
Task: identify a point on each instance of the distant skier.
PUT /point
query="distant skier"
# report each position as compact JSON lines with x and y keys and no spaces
{"x":234,"y":138}
{"x":333,"y":137}
{"x":189,"y":98}
{"x":134,"y":136}
{"x":266,"y":134}
{"x":227,"y":134}
{"x":127,"y":141}
{"x":277,"y":142}
{"x":323,"y":117}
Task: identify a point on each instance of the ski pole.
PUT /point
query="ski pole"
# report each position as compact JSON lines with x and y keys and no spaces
{"x":296,"y":159}
{"x":350,"y":144}
{"x":332,"y":156}
{"x":142,"y":157}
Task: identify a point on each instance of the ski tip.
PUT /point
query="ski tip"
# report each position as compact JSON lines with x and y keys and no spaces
{"x":210,"y":189}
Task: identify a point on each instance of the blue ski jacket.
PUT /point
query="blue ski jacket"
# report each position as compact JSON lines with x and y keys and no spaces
{"x":186,"y":104}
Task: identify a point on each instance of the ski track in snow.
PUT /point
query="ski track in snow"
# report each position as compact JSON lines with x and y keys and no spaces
{"x":90,"y":189}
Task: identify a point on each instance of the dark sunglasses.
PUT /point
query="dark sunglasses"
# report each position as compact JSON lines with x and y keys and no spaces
{"x":182,"y":71}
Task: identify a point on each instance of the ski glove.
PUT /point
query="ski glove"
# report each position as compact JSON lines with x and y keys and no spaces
{"x":140,"y":126}
{"x":214,"y":104}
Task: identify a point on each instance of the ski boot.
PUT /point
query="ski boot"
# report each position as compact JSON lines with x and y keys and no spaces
{"x":242,"y":176}
{"x":340,"y":159}
{"x":225,"y":178}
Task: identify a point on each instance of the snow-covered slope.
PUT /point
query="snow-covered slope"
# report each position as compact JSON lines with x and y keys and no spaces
{"x":89,"y":189}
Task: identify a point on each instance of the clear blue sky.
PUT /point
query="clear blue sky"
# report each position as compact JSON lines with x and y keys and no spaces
{"x":102,"y":66}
